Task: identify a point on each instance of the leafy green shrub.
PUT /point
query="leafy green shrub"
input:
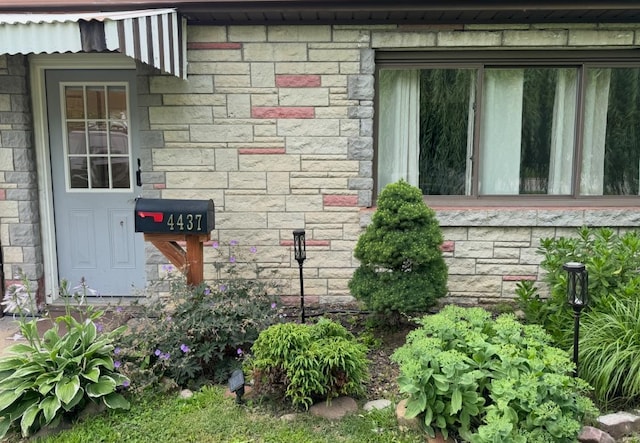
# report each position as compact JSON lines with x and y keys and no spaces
{"x":490,"y":380}
{"x":608,"y":353}
{"x":57,"y":376}
{"x":612,"y":262}
{"x":200,"y":333}
{"x":607,"y":345}
{"x":306,"y":362}
{"x":401,"y":265}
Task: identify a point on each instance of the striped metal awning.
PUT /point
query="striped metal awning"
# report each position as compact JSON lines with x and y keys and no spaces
{"x":156,"y":37}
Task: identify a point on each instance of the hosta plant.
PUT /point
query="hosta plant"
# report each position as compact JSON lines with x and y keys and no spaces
{"x":57,"y":375}
{"x":490,"y":380}
{"x":308,"y":362}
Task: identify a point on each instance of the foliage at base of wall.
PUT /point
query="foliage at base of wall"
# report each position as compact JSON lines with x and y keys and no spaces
{"x":56,"y":375}
{"x":198,"y":335}
{"x":401,"y":264}
{"x":308,"y":362}
{"x":610,"y":323}
{"x":491,"y":380}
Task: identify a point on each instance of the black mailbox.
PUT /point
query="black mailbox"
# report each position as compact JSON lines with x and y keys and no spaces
{"x":166,"y":216}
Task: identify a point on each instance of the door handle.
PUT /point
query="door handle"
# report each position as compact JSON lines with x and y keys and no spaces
{"x":139,"y":175}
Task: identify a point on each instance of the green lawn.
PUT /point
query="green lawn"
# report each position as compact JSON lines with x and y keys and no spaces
{"x":209,"y":416}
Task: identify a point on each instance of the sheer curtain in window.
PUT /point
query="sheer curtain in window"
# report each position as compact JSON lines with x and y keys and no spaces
{"x":563,"y":133}
{"x":399,"y":131}
{"x":595,"y":131}
{"x":501,"y":131}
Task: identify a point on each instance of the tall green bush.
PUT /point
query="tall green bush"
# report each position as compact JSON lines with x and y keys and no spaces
{"x":307,"y":362}
{"x":490,"y":380}
{"x":608,"y":343}
{"x":612,"y":261}
{"x":401,"y":264}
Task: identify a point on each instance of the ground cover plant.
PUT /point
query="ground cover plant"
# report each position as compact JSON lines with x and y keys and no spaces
{"x":608,"y":343}
{"x":401,"y":265}
{"x":199,"y":335}
{"x":491,"y":380}
{"x":211,"y":417}
{"x":308,"y":362}
{"x":54,"y":377}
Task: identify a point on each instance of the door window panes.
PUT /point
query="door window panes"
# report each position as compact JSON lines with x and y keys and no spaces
{"x":96,"y":124}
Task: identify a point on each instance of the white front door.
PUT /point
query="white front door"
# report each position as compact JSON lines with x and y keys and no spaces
{"x":94,"y":149}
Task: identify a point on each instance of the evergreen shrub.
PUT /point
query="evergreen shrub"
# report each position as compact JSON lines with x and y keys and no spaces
{"x":401,"y":265}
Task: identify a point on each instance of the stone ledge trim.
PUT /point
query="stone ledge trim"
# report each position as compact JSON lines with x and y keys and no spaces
{"x":519,"y":277}
{"x":213,"y":45}
{"x":261,"y":151}
{"x":298,"y":81}
{"x":283,"y":112}
{"x":340,"y":200}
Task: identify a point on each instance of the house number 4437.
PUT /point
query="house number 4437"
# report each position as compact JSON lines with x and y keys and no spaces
{"x":185,"y":222}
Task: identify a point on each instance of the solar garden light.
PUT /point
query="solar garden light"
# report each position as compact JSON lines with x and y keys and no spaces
{"x":236,"y":384}
{"x":300,"y":252}
{"x":577,"y":297}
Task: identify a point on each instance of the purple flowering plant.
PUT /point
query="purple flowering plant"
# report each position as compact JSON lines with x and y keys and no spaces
{"x":212,"y":326}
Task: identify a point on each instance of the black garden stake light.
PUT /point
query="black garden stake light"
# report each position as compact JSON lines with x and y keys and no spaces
{"x":236,"y":384}
{"x":300,"y":252}
{"x":577,"y":297}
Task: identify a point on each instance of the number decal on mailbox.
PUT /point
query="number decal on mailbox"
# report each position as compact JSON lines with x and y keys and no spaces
{"x":184,"y":222}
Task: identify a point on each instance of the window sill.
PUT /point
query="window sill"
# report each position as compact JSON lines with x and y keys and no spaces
{"x":463,"y":212}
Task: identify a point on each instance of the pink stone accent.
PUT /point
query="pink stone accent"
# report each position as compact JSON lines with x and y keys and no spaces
{"x":261,"y":151}
{"x":282,"y":112}
{"x":212,"y":45}
{"x":340,"y":200}
{"x":519,"y":277}
{"x":159,"y":186}
{"x":298,"y":81}
{"x":448,"y":246}
{"x":3,"y":194}
{"x":309,"y":243}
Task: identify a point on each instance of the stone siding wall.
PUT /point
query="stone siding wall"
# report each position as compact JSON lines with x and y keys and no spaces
{"x":19,"y":219}
{"x":276,"y":125}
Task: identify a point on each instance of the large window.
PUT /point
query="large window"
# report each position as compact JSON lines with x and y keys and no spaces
{"x":552,"y":127}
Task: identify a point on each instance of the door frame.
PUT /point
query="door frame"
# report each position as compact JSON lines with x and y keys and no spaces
{"x":38,"y":65}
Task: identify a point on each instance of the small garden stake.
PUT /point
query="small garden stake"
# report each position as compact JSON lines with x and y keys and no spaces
{"x":300,"y":252}
{"x":577,"y":297}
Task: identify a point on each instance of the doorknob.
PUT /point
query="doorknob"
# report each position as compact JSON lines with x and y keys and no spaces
{"x":139,"y":175}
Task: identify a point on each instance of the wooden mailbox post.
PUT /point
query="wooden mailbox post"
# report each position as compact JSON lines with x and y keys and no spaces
{"x":167,"y":222}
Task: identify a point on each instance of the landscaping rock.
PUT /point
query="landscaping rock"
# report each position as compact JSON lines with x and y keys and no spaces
{"x":590,"y":434}
{"x":403,"y":422}
{"x":336,"y":409}
{"x":376,"y":404}
{"x":439,"y":438}
{"x":289,"y":417}
{"x":619,"y":424}
{"x":186,"y":393}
